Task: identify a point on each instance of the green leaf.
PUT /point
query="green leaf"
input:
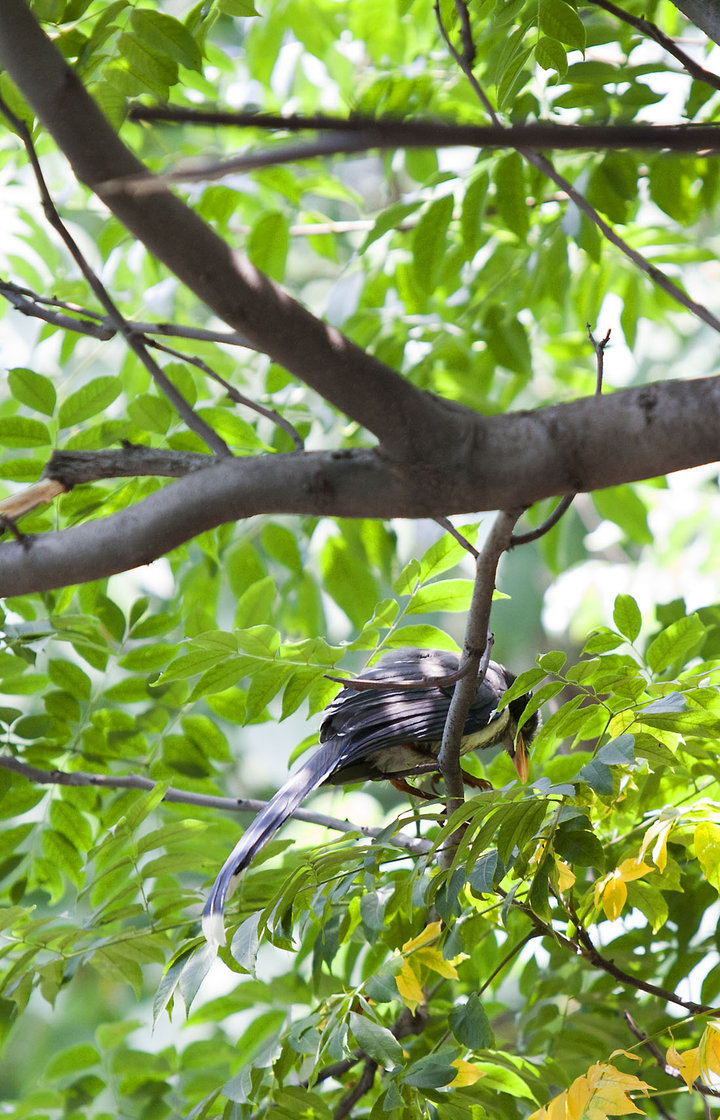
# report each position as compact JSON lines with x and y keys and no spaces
{"x":422,"y":636}
{"x":622,"y":505}
{"x":92,"y":399}
{"x":245,"y":943}
{"x":627,"y":617}
{"x":268,"y":243}
{"x":551,"y":55}
{"x":470,"y":1024}
{"x":560,"y":21}
{"x":376,"y":1041}
{"x":675,"y":644}
{"x":482,"y":876}
{"x":348,"y":579}
{"x":511,"y":195}
{"x":430,"y":242}
{"x":72,"y":1061}
{"x":431,"y":1072}
{"x":70,"y":677}
{"x":165,"y":35}
{"x":33,"y":389}
{"x":707,"y":849}
{"x":21,"y":431}
{"x":443,"y":595}
{"x":194,"y":971}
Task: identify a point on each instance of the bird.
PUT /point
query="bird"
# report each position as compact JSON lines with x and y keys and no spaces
{"x":389,"y":731}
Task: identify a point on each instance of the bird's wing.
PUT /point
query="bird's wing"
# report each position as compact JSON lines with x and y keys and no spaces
{"x":364,"y":721}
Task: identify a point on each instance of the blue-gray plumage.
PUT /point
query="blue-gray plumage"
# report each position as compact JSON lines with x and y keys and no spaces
{"x":391,"y":733}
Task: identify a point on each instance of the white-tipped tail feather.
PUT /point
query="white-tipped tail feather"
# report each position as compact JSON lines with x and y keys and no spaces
{"x":256,"y":836}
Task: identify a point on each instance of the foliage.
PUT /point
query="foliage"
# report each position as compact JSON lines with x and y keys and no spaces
{"x":495,"y":987}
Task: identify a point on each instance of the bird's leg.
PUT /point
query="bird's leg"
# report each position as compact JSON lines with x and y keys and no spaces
{"x":405,"y":787}
{"x":476,"y":783}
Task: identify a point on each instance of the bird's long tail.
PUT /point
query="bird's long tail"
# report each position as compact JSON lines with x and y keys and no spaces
{"x":256,"y":836}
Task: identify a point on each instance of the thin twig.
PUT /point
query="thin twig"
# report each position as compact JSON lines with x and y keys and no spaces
{"x":661,"y":1060}
{"x":437,"y":133}
{"x":193,"y":421}
{"x":564,"y":504}
{"x":585,"y":947}
{"x":599,"y":348}
{"x":99,"y":326}
{"x":446,"y":524}
{"x":233,"y":393}
{"x":534,"y":534}
{"x":652,"y":31}
{"x":362,"y":684}
{"x":543,"y":164}
{"x":415,"y":845}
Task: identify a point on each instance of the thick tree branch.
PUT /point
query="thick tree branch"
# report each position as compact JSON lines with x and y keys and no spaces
{"x":498,"y":462}
{"x":408,"y":422}
{"x":704,"y":14}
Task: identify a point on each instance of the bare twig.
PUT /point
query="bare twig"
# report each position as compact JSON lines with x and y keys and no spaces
{"x":234,"y":395}
{"x":659,"y":1057}
{"x":193,"y":421}
{"x":584,"y":946}
{"x":565,"y":502}
{"x":599,"y":348}
{"x":446,"y":524}
{"x":652,"y":31}
{"x":413,"y":844}
{"x":100,"y":326}
{"x":362,"y":684}
{"x":543,"y":164}
{"x":678,"y":138}
{"x":549,"y":522}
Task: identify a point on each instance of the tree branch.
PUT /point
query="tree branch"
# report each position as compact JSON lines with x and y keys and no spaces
{"x":409,"y":422}
{"x":414,"y":844}
{"x":134,"y":342}
{"x":652,"y":31}
{"x":580,"y":446}
{"x":474,"y":647}
{"x":363,"y":133}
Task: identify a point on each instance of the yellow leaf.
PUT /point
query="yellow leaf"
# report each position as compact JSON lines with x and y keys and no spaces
{"x":602,"y":1092}
{"x":709,"y":1055}
{"x":614,"y":897}
{"x":577,"y":1098}
{"x":566,"y":876}
{"x":657,"y":835}
{"x":631,"y":869}
{"x":434,"y":960}
{"x":430,"y":933}
{"x":610,"y":1092}
{"x":599,"y":888}
{"x":626,"y":1054}
{"x":707,"y":849}
{"x":467,"y":1074}
{"x":687,"y":1063}
{"x":409,"y":987}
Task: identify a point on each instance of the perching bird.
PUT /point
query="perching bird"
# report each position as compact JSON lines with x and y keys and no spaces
{"x":389,"y":733}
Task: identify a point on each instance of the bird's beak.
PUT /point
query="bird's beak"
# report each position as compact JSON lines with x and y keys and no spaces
{"x":521,"y":759}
